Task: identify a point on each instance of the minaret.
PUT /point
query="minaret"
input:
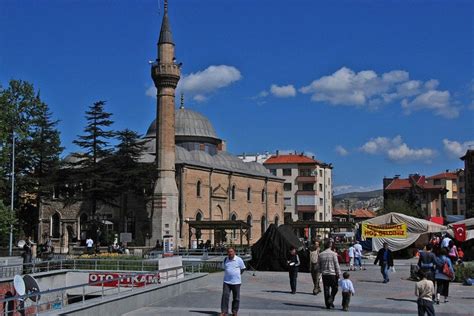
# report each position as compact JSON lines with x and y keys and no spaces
{"x":165,"y":73}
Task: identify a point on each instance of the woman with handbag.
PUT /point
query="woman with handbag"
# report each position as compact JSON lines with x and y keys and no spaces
{"x":444,"y":274}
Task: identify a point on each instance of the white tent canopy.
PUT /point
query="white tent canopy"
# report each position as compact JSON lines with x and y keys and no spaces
{"x":469,"y":228}
{"x":415,"y":228}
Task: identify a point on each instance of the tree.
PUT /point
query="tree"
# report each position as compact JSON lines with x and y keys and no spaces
{"x":97,"y":185}
{"x":7,"y":218}
{"x":37,"y":149}
{"x":402,"y":206}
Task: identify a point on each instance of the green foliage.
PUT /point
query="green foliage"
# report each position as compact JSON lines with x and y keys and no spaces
{"x":7,"y":218}
{"x":37,"y":149}
{"x":402,"y":206}
{"x":464,"y":271}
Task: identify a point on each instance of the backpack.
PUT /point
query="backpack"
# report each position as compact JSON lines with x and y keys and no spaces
{"x":447,"y":271}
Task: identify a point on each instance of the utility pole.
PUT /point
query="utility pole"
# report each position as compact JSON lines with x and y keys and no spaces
{"x":12,"y":201}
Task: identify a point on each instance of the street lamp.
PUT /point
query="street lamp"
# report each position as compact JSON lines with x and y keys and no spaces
{"x":12,"y":201}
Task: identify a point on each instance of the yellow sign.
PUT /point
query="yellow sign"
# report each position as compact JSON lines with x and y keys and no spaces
{"x":384,"y":231}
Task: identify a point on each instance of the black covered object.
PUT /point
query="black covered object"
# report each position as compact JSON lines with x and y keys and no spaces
{"x":271,"y":251}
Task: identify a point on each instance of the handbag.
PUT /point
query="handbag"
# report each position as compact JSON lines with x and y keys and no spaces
{"x":447,"y":271}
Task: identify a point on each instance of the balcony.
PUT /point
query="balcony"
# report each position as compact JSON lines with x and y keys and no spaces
{"x":306,"y":179}
{"x":306,"y":192}
{"x":306,"y":208}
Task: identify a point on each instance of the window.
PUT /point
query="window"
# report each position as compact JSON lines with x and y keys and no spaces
{"x":198,"y":231}
{"x":329,"y":181}
{"x":276,"y":196}
{"x":249,"y":222}
{"x":232,"y":192}
{"x":55,"y":226}
{"x":308,"y":187}
{"x":262,"y":225}
{"x":305,"y":172}
{"x":321,"y":201}
{"x":437,"y":182}
{"x":248,"y":194}
{"x":234,"y":231}
{"x":461,"y":190}
{"x":263,"y":195}
{"x":286,"y":172}
{"x":320,"y":187}
{"x":277,"y":219}
{"x":198,"y":188}
{"x":287,"y":186}
{"x":287,"y":201}
{"x":320,"y":217}
{"x":273,"y":171}
{"x":320,"y":172}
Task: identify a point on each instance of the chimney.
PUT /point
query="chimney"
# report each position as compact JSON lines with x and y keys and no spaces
{"x":278,"y":152}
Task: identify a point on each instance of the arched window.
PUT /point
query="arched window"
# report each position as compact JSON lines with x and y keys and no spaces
{"x":276,"y":197}
{"x":248,"y":194}
{"x":55,"y":226}
{"x":263,"y":195}
{"x":249,"y":222}
{"x":262,"y":225}
{"x":232,"y":192}
{"x":198,"y":188}
{"x":198,"y":218}
{"x":277,"y":219}
{"x":233,"y":217}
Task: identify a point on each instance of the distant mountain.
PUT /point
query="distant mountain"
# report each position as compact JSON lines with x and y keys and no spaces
{"x":372,"y":200}
{"x":361,"y":196}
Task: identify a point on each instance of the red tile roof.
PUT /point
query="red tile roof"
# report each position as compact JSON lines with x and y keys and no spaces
{"x":444,"y":175}
{"x":359,"y":213}
{"x":405,"y":184}
{"x":289,"y":159}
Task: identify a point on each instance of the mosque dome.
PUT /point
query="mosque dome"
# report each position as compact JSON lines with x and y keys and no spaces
{"x":188,"y":123}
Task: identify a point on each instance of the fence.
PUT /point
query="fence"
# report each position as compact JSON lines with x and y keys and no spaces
{"x":60,"y":298}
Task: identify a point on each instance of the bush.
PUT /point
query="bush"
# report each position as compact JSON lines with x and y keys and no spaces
{"x":464,"y":271}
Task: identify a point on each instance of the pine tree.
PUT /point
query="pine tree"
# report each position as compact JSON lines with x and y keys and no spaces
{"x":90,"y":170}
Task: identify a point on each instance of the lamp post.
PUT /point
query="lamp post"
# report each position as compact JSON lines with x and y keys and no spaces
{"x":12,"y":201}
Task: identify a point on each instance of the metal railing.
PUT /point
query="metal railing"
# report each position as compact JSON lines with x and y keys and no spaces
{"x":59,"y":298}
{"x":11,"y":270}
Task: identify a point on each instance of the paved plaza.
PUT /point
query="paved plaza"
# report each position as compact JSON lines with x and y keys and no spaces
{"x":267,"y":293}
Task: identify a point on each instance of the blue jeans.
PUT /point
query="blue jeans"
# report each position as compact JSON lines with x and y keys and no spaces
{"x":384,"y":268}
{"x":358,"y":262}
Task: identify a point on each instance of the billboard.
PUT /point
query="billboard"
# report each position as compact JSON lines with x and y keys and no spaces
{"x":384,"y":231}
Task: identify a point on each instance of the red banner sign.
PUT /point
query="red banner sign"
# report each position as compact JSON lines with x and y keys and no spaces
{"x":111,"y":279}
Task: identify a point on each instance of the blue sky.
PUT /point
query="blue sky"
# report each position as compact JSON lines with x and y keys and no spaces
{"x":375,"y":87}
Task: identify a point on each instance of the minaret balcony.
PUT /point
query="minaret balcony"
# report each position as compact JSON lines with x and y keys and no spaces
{"x":165,"y":74}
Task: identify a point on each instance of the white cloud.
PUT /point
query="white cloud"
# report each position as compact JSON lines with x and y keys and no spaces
{"x":368,"y":89}
{"x":396,"y":150}
{"x":283,"y":91}
{"x":341,"y":151}
{"x":456,"y":149}
{"x":438,"y":101}
{"x":201,"y":84}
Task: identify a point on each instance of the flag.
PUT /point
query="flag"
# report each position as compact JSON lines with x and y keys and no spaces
{"x":459,"y":232}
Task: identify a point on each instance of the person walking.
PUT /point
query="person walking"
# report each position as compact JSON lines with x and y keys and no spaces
{"x":357,"y":255}
{"x":314,"y":267}
{"x":233,"y":268}
{"x":330,"y":271}
{"x":293,"y":266}
{"x":453,"y":252}
{"x":443,"y":275}
{"x":89,"y":245}
{"x":351,"y":252}
{"x":424,"y":291}
{"x":385,"y":260}
{"x":427,"y":262}
{"x":347,"y":289}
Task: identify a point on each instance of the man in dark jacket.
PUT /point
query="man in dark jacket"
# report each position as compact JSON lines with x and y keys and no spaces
{"x":385,"y":260}
{"x":427,"y":262}
{"x":293,"y":264}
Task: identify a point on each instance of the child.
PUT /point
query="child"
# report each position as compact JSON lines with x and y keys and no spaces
{"x":424,"y":290}
{"x":347,"y":290}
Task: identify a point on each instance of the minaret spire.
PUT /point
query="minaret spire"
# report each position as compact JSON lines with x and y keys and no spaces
{"x":165,"y":33}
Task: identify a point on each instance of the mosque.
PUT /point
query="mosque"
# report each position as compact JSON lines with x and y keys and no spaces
{"x":197,"y":179}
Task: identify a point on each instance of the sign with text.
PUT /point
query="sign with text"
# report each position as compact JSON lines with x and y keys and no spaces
{"x":111,"y":279}
{"x":384,"y":231}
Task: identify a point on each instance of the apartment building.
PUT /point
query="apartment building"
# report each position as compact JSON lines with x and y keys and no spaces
{"x":307,"y":188}
{"x":449,"y":181}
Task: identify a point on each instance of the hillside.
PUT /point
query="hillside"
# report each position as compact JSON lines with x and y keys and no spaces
{"x":361,"y":196}
{"x":372,"y":200}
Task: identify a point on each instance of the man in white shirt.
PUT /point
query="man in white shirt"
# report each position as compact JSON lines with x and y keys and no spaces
{"x":233,"y":268}
{"x":89,"y":244}
{"x":358,"y":255}
{"x":445,"y":242}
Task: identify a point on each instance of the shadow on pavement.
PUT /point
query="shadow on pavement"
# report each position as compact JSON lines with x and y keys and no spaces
{"x":205,"y":312}
{"x":305,"y":305}
{"x":288,"y":292}
{"x":401,"y":300}
{"x":371,"y":281}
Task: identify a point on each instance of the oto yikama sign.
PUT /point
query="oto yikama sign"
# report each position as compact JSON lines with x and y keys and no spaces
{"x":384,"y":231}
{"x":95,"y":279}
